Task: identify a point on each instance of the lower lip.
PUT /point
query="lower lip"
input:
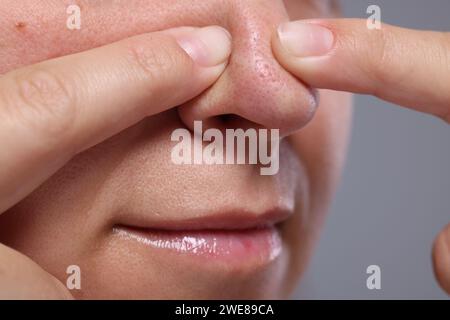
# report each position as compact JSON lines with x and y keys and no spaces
{"x":262,"y":244}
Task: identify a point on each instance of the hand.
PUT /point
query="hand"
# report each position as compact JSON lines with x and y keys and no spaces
{"x":407,"y":67}
{"x":51,"y":111}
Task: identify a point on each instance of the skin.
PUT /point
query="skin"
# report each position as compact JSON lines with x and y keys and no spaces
{"x":77,"y":173}
{"x":72,"y":186}
{"x":407,"y":67}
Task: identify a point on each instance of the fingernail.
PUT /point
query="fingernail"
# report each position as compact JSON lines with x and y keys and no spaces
{"x":208,"y":47}
{"x":302,"y":39}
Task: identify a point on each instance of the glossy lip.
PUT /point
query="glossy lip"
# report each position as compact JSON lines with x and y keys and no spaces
{"x":237,"y":219}
{"x":232,"y":246}
{"x":234,"y":237}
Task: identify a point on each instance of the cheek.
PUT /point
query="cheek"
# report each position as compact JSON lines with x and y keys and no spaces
{"x":299,"y":10}
{"x":33,"y":31}
{"x":322,"y":144}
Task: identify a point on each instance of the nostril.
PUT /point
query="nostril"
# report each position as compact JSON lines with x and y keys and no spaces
{"x":226,"y":119}
{"x":233,"y":121}
{"x":220,"y":122}
{"x":235,"y":103}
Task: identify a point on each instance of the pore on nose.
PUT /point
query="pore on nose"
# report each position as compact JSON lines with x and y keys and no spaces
{"x":254,"y":88}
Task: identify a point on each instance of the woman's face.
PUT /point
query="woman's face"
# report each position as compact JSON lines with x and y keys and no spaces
{"x":113,"y":210}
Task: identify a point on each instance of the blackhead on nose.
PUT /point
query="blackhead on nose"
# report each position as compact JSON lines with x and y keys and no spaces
{"x":254,"y":90}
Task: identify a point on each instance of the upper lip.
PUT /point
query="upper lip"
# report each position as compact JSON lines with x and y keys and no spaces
{"x":225,"y":220}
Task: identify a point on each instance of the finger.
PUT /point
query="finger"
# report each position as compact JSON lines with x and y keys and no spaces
{"x":441,"y":258}
{"x":406,"y":67}
{"x":21,"y":278}
{"x":53,"y":110}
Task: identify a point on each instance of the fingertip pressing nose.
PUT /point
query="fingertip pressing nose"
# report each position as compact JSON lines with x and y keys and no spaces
{"x":302,"y":39}
{"x":208,"y":46}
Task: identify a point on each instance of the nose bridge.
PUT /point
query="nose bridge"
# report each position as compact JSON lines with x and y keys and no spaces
{"x":254,"y":86}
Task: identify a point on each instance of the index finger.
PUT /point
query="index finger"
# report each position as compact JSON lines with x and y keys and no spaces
{"x":53,"y":110}
{"x":407,"y":67}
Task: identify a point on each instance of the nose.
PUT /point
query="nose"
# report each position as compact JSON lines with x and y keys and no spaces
{"x":254,"y":90}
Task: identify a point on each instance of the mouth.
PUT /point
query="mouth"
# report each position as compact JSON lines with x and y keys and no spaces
{"x":233,"y":237}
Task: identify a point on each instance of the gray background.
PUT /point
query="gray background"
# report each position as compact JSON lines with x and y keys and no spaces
{"x":395,"y":194}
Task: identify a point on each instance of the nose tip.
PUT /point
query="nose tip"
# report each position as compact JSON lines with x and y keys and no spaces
{"x":254,"y":87}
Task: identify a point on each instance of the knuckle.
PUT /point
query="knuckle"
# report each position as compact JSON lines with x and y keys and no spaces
{"x":157,"y":64}
{"x":44,"y":102}
{"x":442,"y":57}
{"x":384,"y":51}
{"x":384,"y":68}
{"x":443,"y":50}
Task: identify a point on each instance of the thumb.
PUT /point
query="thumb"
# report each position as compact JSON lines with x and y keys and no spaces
{"x":407,"y":67}
{"x":23,"y":279}
{"x":441,"y":258}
